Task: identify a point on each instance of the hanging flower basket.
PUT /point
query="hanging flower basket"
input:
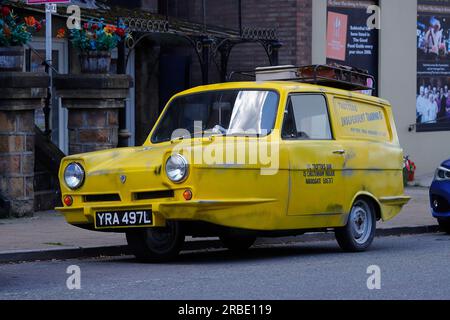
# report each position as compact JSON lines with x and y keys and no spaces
{"x":14,"y":34}
{"x":95,"y":62}
{"x":95,"y":40}
{"x":11,"y":59}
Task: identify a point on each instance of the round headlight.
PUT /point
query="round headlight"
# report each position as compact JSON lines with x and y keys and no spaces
{"x":74,"y":175}
{"x":177,"y":168}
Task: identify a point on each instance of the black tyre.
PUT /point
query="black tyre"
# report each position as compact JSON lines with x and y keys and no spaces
{"x":358,"y":234}
{"x":156,"y":244}
{"x":444,"y":225}
{"x":237,"y":243}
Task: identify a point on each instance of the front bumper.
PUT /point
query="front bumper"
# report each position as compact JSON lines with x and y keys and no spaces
{"x":213,"y":211}
{"x":440,"y":199}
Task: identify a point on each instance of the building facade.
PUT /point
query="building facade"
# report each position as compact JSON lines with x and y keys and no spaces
{"x":411,"y":55}
{"x":391,"y":51}
{"x":395,"y":43}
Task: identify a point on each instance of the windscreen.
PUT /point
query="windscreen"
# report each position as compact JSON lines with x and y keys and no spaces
{"x":228,"y":112}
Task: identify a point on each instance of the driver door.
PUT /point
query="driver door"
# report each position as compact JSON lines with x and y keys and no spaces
{"x":316,"y":160}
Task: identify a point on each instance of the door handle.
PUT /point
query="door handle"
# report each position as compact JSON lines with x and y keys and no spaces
{"x":339,"y":152}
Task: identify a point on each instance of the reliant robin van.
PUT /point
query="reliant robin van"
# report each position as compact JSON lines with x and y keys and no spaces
{"x":299,"y":150}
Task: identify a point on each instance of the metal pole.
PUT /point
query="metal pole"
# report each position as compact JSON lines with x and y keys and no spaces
{"x":167,"y":10}
{"x":204,"y":15}
{"x":48,"y":33}
{"x":48,"y":64}
{"x":240,"y":17}
{"x":124,"y":135}
{"x":205,"y":65}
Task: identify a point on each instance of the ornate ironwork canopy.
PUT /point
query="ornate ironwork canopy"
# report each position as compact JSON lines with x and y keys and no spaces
{"x":209,"y":42}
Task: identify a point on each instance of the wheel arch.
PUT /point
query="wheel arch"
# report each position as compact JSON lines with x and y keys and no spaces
{"x":370,"y":197}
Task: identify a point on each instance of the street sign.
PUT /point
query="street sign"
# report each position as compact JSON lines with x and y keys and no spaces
{"x":47,"y":1}
{"x":51,"y":7}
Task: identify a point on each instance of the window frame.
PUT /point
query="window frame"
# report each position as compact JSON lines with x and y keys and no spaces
{"x":327,"y":108}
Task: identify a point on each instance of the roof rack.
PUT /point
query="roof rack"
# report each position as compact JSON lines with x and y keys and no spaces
{"x":336,"y":76}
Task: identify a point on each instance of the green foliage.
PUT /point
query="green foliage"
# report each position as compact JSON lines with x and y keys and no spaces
{"x":15,"y":32}
{"x":95,"y":35}
{"x":405,"y":177}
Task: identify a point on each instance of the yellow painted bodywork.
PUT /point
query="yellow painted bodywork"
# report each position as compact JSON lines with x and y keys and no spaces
{"x":239,"y":195}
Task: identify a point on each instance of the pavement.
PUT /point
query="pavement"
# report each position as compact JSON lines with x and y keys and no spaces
{"x":423,"y":180}
{"x":47,"y":236}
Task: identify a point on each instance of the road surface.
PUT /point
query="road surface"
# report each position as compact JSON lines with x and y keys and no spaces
{"x":411,"y":267}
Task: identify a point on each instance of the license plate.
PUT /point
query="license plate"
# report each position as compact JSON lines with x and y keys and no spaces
{"x":111,"y":219}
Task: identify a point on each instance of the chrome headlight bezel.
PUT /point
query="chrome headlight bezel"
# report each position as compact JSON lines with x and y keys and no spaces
{"x":442,"y":174}
{"x":177,"y":168}
{"x":74,"y":170}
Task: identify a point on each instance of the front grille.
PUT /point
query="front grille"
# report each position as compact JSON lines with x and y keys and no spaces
{"x":150,"y":195}
{"x":440,"y":204}
{"x":102,"y":198}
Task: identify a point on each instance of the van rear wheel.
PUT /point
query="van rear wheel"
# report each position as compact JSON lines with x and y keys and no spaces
{"x":156,"y":244}
{"x":358,"y":234}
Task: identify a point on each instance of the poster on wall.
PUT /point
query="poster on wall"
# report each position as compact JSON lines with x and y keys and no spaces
{"x":433,"y":65}
{"x":349,"y":39}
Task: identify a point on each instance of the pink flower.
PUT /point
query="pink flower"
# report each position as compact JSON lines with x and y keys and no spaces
{"x":6,"y":11}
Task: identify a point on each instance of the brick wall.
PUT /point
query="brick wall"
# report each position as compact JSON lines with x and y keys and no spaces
{"x":17,"y":159}
{"x":150,"y":5}
{"x":93,"y":129}
{"x":304,"y":32}
{"x":291,"y":18}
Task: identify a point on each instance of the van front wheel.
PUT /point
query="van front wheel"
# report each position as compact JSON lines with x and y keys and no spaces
{"x":358,"y":234}
{"x":156,"y":244}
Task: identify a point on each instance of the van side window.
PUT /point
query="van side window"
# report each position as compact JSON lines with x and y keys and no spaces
{"x":306,"y":118}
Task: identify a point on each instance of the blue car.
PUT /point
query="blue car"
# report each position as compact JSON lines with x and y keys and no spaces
{"x":440,"y":196}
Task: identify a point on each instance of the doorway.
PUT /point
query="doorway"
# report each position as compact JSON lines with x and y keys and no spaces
{"x":58,"y":115}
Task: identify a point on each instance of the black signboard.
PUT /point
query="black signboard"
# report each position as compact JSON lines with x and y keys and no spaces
{"x":433,"y":65}
{"x":350,"y":40}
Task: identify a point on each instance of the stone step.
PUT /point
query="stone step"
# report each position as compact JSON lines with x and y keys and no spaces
{"x":46,"y":200}
{"x":4,"y":207}
{"x":46,"y":184}
{"x":44,"y":180}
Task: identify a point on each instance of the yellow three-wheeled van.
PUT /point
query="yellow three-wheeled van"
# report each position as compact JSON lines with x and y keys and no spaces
{"x":275,"y":157}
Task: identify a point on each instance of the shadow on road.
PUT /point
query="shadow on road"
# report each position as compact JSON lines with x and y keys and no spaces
{"x":258,"y":253}
{"x":305,"y":250}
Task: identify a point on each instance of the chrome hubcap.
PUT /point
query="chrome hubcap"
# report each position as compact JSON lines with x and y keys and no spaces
{"x":361,"y":222}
